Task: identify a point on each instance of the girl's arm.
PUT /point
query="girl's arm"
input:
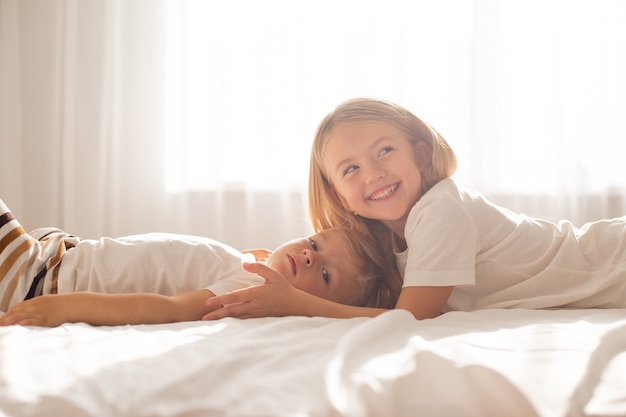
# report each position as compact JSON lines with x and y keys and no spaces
{"x":108,"y":309}
{"x":424,"y":302}
{"x":279,"y":298}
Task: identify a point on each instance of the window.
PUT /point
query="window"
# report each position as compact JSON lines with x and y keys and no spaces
{"x":248,"y":81}
{"x":526,"y":110}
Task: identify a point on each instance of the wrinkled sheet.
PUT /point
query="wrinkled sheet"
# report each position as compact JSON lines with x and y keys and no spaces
{"x":484,"y":363}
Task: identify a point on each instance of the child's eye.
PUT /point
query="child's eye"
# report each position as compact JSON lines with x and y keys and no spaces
{"x":350,"y":169}
{"x":325,"y":275}
{"x":385,"y":150}
{"x":313,"y":244}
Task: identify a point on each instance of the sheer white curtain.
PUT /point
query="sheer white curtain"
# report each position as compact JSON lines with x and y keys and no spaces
{"x":83,"y":146}
{"x":120,"y":117}
{"x":548,"y":99}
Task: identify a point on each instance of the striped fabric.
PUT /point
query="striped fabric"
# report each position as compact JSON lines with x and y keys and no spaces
{"x":29,"y":263}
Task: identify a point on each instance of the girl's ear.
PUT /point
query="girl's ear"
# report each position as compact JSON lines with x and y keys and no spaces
{"x":423,"y":155}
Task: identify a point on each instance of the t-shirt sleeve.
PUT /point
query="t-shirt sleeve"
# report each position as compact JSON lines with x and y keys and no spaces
{"x":442,"y":243}
{"x":236,"y":280}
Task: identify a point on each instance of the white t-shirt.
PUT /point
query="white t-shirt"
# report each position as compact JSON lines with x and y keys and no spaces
{"x":159,"y":263}
{"x":499,"y":259}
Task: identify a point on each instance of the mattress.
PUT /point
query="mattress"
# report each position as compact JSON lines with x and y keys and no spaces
{"x":484,"y":363}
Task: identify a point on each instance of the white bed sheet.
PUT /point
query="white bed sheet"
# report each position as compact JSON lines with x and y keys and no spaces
{"x":485,"y":363}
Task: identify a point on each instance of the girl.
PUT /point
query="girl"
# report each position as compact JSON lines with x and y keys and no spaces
{"x":158,"y":278}
{"x":375,"y":165}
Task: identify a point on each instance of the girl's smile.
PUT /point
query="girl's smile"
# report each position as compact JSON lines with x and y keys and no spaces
{"x":384,"y":193}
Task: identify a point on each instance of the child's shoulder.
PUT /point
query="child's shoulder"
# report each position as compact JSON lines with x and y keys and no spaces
{"x":444,"y":197}
{"x":446,"y":189}
{"x":449,"y":187}
{"x":447,"y":197}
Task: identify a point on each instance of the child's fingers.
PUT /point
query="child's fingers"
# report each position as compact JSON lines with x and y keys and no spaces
{"x":235,"y":297}
{"x":251,"y":301}
{"x":25,"y":314}
{"x":270,"y":275}
{"x":260,"y":254}
{"x":229,"y":310}
{"x":7,"y":318}
{"x":10,"y":318}
{"x":241,"y":303}
{"x":215,"y":315}
{"x":258,"y":268}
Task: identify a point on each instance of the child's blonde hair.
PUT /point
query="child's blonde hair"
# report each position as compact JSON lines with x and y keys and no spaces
{"x":373,"y":270}
{"x":325,"y":207}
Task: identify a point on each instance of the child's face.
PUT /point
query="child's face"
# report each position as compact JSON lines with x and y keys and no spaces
{"x":319,"y":265}
{"x":374,"y":168}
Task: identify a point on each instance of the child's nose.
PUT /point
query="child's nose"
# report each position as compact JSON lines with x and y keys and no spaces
{"x":374,"y":173}
{"x":308,"y":256}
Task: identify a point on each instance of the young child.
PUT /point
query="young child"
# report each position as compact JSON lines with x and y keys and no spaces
{"x":159,"y":278}
{"x":376,"y":166}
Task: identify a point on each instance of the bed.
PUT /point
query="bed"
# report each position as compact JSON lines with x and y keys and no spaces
{"x":484,"y":363}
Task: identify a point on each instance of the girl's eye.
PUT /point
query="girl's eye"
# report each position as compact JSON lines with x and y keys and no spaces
{"x":313,"y":244}
{"x":350,"y":169}
{"x":385,"y":150}
{"x":325,"y":276}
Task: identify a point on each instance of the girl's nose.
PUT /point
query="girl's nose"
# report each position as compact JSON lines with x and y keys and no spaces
{"x":374,"y":173}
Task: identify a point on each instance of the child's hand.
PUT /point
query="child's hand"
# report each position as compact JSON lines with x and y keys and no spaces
{"x":277,"y":297}
{"x":260,"y":255}
{"x":45,"y":310}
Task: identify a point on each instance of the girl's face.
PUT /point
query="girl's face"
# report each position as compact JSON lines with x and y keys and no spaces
{"x":320,"y":265}
{"x":375,"y":170}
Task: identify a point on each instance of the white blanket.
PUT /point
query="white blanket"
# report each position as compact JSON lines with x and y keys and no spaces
{"x":485,"y":363}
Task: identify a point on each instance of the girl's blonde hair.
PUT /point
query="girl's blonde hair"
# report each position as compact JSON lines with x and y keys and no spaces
{"x":325,"y":207}
{"x":373,"y":270}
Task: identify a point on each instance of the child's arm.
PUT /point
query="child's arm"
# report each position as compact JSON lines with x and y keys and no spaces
{"x":424,"y":302}
{"x":279,"y":298}
{"x":108,"y":309}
